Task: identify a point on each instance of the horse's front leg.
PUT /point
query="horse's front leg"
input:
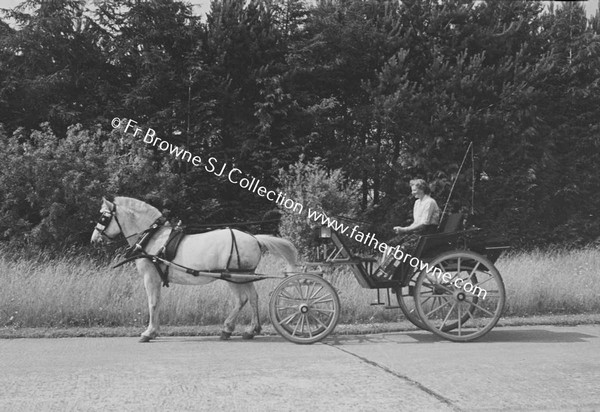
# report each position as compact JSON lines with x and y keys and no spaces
{"x":152,"y":284}
{"x":240,"y":300}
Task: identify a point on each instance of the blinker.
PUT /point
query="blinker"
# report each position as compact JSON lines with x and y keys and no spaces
{"x":104,"y":221}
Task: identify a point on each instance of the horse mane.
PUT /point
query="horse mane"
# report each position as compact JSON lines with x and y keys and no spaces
{"x":138,"y":207}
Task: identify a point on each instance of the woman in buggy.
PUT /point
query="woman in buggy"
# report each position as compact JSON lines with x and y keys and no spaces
{"x":426,"y":216}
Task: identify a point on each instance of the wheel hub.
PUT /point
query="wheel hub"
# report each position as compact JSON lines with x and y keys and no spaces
{"x":303,"y":308}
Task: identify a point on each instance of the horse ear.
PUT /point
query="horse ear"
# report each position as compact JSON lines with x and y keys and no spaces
{"x":106,"y":201}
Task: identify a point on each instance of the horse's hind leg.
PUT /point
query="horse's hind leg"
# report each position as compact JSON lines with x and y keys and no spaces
{"x":240,"y":298}
{"x":254,"y":328}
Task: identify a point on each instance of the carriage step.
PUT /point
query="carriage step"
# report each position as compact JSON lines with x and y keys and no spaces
{"x":387,"y":303}
{"x":385,"y":306}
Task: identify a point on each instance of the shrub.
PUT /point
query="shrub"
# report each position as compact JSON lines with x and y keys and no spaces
{"x":316,"y":188}
{"x":50,"y":187}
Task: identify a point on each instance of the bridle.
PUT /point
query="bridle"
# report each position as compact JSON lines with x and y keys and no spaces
{"x":107,"y":216}
{"x":104,"y":222}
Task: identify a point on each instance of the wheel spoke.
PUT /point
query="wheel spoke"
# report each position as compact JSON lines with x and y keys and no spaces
{"x":317,"y":320}
{"x":474,"y":269}
{"x":310,"y":335}
{"x":429,"y":285}
{"x":474,"y":320}
{"x":480,"y":308}
{"x":457,"y":275}
{"x":299,"y":290}
{"x":459,"y":320}
{"x":294,"y":307}
{"x":320,"y":299}
{"x":309,"y":288}
{"x":448,"y":315}
{"x":288,"y":319}
{"x":446,"y":288}
{"x":485,"y":281}
{"x":428,"y":297}
{"x":286,"y":296}
{"x":312,"y":295}
{"x":439,"y":307}
{"x":320,"y":310}
{"x":300,"y":321}
{"x":493,"y":294}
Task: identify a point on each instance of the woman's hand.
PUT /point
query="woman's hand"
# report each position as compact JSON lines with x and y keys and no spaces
{"x":399,"y":229}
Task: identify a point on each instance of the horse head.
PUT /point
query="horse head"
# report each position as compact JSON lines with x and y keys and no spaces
{"x":107,"y":226}
{"x":123,"y":216}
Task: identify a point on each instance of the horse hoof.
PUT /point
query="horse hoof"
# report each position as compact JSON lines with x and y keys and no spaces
{"x":145,"y":339}
{"x":225,"y":335}
{"x":247,"y":335}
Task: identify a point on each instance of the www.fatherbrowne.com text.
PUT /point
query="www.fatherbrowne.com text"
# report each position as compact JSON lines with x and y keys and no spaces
{"x":237,"y":177}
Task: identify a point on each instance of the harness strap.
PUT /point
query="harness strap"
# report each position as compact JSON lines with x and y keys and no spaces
{"x":157,"y":261}
{"x":137,"y":252}
{"x":233,"y":245}
{"x":164,"y":274}
{"x":145,"y":237}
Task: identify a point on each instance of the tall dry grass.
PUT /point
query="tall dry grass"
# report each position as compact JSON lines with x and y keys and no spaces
{"x":556,"y":281}
{"x":76,"y":291}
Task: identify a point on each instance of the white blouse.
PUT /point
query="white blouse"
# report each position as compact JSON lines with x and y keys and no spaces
{"x":426,"y":211}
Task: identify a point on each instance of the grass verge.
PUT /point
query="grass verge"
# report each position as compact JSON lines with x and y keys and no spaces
{"x":74,"y":292}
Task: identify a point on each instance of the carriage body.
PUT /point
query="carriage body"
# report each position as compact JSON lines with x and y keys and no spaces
{"x":334,"y":249}
{"x":438,"y":305}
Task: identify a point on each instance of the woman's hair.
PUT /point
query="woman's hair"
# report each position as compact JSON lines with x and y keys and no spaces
{"x":421,"y":184}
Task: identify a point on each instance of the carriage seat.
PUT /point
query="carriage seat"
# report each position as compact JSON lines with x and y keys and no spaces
{"x":451,"y":223}
{"x":448,"y":231}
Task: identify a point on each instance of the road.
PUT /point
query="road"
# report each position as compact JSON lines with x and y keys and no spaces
{"x":512,"y":368}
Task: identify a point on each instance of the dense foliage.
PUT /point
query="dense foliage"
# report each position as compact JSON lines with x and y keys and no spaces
{"x":366,"y":93}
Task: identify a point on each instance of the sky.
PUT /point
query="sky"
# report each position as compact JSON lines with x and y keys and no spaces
{"x":202,"y":6}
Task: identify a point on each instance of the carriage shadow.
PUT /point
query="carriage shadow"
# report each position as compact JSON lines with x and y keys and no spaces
{"x":494,"y":336}
{"x":535,"y":336}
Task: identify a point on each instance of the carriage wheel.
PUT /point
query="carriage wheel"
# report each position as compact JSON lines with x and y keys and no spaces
{"x":406,"y":301}
{"x":453,"y":312}
{"x":304,"y":308}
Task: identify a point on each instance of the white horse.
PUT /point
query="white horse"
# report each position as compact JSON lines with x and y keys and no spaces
{"x":209,"y":251}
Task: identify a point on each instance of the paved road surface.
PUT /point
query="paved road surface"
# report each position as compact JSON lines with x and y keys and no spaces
{"x":518,"y":368}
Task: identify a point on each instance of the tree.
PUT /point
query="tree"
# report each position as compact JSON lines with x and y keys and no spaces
{"x":53,"y":69}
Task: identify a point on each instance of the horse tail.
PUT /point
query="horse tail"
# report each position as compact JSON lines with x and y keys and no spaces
{"x":280,"y":247}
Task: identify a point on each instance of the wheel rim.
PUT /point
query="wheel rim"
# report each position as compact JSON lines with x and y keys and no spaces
{"x":456,"y":313}
{"x":406,"y":301}
{"x":304,"y":308}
